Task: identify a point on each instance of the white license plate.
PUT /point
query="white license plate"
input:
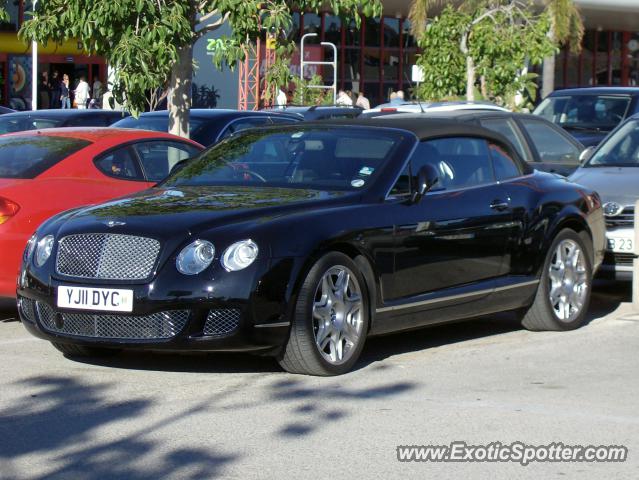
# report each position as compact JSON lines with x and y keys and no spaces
{"x":85,"y":298}
{"x":621,"y":245}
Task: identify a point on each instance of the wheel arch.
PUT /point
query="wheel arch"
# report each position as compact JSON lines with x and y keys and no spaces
{"x":361,"y":259}
{"x":574,"y":222}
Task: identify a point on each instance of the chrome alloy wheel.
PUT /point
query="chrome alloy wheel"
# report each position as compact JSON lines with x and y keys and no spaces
{"x":337,"y":314}
{"x":568,"y":278}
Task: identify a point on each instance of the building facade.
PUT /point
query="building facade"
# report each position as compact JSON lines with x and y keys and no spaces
{"x":377,"y":56}
{"x":16,"y":66}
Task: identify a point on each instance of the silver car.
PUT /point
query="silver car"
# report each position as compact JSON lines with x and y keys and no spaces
{"x":613,"y":171}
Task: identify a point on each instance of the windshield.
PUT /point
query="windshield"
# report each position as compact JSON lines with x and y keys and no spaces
{"x":10,"y":124}
{"x":327,"y":158}
{"x":620,"y":150}
{"x":29,"y":156}
{"x":585,"y":112}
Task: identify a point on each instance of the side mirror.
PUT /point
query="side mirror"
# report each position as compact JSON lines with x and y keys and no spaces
{"x":585,"y":155}
{"x":426,"y":178}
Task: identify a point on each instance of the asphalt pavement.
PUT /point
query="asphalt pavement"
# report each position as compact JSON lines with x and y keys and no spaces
{"x":160,"y":416}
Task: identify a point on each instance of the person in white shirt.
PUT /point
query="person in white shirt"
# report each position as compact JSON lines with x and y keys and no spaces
{"x":281,"y":100}
{"x":343,"y":99}
{"x":362,"y":101}
{"x":82,"y":93}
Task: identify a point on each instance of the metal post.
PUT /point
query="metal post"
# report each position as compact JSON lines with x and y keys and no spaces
{"x":332,"y":64}
{"x":635,"y":263}
{"x":34,"y":69}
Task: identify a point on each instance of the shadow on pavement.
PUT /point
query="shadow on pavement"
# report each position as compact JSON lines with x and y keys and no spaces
{"x":62,"y":419}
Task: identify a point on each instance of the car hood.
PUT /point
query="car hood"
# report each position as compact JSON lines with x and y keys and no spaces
{"x":165,"y":212}
{"x":614,"y":184}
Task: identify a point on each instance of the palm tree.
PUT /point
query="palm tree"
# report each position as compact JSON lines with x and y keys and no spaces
{"x":418,"y":15}
{"x":566,"y":27}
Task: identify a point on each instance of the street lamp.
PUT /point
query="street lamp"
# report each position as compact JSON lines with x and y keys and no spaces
{"x":34,"y":69}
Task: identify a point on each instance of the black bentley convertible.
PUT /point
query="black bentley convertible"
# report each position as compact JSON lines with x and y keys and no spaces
{"x":300,"y":241}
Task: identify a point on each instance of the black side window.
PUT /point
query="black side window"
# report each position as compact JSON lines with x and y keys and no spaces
{"x":505,"y":127}
{"x":87,"y":121}
{"x":460,"y":161}
{"x":243,"y":124}
{"x":505,"y":166}
{"x":120,"y":163}
{"x":158,"y":158}
{"x":552,"y":146}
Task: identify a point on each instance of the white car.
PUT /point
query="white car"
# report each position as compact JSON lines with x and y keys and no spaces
{"x":414,"y":107}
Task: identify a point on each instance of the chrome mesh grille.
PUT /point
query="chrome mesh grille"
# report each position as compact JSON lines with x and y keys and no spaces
{"x":625,"y":219}
{"x":107,"y":256}
{"x":222,"y":321}
{"x":27,"y":309}
{"x":160,"y":325}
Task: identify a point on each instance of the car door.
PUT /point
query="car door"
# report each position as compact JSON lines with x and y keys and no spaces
{"x":555,"y":149}
{"x":455,"y":235}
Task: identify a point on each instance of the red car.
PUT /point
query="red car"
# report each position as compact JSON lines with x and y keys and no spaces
{"x":44,"y":172}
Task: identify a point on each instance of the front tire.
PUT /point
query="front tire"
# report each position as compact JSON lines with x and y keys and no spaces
{"x":563,"y":294}
{"x":78,"y":351}
{"x":330,"y":320}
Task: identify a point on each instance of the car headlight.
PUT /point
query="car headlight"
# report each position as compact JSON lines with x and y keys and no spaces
{"x":28,"y":249}
{"x":239,"y":255}
{"x":43,"y":250}
{"x":195,"y":257}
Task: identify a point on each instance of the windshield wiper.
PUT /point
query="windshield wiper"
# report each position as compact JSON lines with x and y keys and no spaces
{"x":584,"y":129}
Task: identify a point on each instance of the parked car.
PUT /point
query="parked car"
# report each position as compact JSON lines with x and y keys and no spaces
{"x":613,"y":170}
{"x":321,"y":112}
{"x":44,"y":172}
{"x":589,"y":114}
{"x":5,"y":110}
{"x":420,"y":107}
{"x":344,"y":229}
{"x":544,"y":145}
{"x":209,"y":126}
{"x":54,"y":118}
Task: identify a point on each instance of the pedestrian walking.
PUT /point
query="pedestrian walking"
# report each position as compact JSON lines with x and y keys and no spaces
{"x":55,"y":90}
{"x":97,"y":91}
{"x":44,"y":90}
{"x":362,"y":101}
{"x":65,"y":92}
{"x":82,"y":93}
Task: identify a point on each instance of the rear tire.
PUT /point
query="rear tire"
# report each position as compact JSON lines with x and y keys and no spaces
{"x":563,"y":293}
{"x":70,"y":350}
{"x":330,"y":320}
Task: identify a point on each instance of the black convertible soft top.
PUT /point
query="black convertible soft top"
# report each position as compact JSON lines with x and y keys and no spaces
{"x":422,"y":126}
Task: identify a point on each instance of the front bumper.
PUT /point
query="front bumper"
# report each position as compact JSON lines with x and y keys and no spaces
{"x":616,"y":265}
{"x":238,"y":311}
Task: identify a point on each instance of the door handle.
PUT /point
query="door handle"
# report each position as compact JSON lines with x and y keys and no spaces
{"x":499,"y":205}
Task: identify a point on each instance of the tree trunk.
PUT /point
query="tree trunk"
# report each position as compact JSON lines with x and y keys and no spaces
{"x":470,"y":79}
{"x":179,"y":102}
{"x":548,"y":74}
{"x":548,"y":79}
{"x":470,"y":68}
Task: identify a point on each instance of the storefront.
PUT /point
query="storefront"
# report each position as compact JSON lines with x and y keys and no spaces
{"x":16,"y":65}
{"x":607,"y":58}
{"x":375,"y":58}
